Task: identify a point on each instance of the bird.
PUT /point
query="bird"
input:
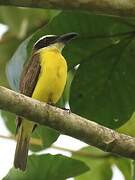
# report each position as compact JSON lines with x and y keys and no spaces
{"x":43,"y":78}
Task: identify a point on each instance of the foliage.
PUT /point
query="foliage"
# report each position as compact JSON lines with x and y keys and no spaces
{"x":53,"y":167}
{"x":101,"y":89}
{"x":101,"y":163}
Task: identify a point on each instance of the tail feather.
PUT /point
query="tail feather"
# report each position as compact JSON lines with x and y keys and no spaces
{"x":21,"y":152}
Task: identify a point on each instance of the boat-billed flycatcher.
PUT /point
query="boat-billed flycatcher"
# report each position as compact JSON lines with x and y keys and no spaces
{"x":44,"y":79}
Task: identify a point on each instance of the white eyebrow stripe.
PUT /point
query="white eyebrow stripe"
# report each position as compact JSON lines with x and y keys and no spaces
{"x":43,"y":38}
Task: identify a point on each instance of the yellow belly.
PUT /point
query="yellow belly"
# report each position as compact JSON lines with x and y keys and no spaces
{"x":52,"y":78}
{"x":50,"y":84}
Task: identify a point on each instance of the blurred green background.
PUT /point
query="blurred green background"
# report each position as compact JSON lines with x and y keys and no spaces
{"x":101,"y":89}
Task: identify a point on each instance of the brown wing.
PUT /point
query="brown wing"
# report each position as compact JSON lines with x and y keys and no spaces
{"x":29,"y":79}
{"x":30,"y":76}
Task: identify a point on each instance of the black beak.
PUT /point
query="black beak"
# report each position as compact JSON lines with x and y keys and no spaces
{"x":66,"y":37}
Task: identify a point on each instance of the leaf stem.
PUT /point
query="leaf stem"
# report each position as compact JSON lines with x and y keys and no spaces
{"x":36,"y":141}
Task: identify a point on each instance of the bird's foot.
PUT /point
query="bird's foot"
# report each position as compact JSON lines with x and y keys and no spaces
{"x":67,"y":110}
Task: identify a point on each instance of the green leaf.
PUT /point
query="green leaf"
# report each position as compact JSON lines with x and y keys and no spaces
{"x":9,"y":120}
{"x":70,"y":78}
{"x":15,"y":66}
{"x":104,"y":86}
{"x":7,"y":48}
{"x":100,"y":168}
{"x":101,"y":164}
{"x":48,"y":167}
{"x":22,"y":20}
{"x":125,"y":166}
{"x":66,"y":94}
{"x":129,"y":127}
{"x":133,"y":170}
{"x":46,"y":135}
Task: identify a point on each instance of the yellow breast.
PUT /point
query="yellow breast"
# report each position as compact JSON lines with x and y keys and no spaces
{"x":52,"y":78}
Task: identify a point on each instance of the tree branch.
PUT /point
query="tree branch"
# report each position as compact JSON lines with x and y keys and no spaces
{"x":110,"y":7}
{"x":69,"y":124}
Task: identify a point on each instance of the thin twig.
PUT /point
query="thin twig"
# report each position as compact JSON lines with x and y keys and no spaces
{"x":36,"y":141}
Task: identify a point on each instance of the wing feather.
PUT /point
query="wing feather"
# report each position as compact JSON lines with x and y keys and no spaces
{"x":28,"y":80}
{"x":30,"y":76}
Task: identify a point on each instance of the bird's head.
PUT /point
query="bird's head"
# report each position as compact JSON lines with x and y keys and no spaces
{"x":54,"y":41}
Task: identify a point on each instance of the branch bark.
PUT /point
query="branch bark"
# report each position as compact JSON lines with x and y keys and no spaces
{"x":67,"y":123}
{"x":110,"y":7}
